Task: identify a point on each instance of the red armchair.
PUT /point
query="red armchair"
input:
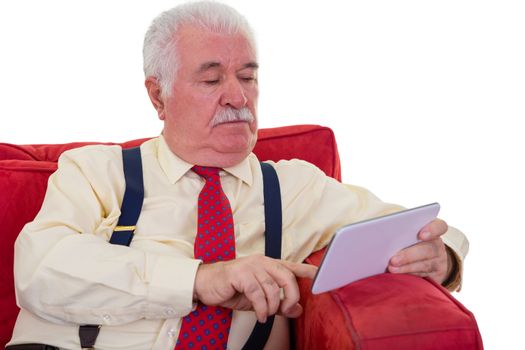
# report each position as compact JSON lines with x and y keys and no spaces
{"x":382,"y":312}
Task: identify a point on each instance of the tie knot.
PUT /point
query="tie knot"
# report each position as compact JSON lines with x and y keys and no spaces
{"x":206,"y":171}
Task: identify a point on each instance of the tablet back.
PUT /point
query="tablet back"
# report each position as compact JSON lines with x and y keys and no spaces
{"x":364,"y":248}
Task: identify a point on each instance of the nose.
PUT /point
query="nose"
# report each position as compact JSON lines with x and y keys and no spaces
{"x":233,"y":95}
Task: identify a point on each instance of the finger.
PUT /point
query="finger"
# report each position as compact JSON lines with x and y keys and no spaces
{"x":433,"y":230}
{"x":419,"y":252}
{"x":285,"y":278}
{"x":271,"y":291}
{"x":425,"y":267}
{"x":301,"y":270}
{"x":255,"y":294}
{"x":238,"y":302}
{"x":293,"y":312}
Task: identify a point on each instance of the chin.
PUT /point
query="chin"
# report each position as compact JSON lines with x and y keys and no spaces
{"x":241,"y":149}
{"x":234,"y":137}
{"x":232,"y":153}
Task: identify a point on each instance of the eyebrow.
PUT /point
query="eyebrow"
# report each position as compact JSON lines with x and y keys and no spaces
{"x":208,"y":65}
{"x":211,"y":65}
{"x":252,"y":65}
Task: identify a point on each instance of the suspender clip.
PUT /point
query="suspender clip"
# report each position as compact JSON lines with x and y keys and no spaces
{"x":124,"y":228}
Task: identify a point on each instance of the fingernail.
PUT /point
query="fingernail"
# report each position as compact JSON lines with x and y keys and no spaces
{"x":425,"y":235}
{"x":395,"y":260}
{"x":394,"y":269}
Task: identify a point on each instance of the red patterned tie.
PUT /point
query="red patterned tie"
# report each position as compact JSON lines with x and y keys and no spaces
{"x":208,"y":327}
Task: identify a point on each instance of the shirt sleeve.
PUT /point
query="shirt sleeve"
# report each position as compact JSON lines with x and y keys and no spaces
{"x":317,"y":205}
{"x":67,"y":272}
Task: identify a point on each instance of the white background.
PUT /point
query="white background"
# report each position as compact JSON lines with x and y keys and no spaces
{"x":426,"y":98}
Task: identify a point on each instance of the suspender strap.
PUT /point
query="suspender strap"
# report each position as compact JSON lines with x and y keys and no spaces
{"x":272,"y":212}
{"x":123,"y":233}
{"x":88,"y":336}
{"x":272,"y":248}
{"x":133,"y":197}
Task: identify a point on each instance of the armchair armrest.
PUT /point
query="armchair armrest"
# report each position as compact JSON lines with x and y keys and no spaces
{"x":384,"y":312}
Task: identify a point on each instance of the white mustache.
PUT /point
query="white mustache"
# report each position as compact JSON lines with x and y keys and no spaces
{"x":228,"y":115}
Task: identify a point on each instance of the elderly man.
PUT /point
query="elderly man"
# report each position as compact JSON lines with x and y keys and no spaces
{"x":197,"y":252}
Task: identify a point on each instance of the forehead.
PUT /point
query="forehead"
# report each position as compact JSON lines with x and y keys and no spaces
{"x":197,"y":46}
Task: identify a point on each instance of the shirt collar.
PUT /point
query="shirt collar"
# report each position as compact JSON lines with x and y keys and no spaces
{"x":175,"y":168}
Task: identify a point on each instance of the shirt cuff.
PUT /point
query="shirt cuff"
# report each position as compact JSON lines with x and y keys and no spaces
{"x":454,"y":279}
{"x":170,"y":292}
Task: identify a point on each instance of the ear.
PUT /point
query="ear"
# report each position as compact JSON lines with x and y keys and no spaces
{"x":155,"y":95}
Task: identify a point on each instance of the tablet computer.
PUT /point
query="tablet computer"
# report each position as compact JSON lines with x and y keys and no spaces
{"x":364,"y":248}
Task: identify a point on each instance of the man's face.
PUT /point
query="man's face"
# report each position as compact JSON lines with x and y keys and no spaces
{"x":217,"y":74}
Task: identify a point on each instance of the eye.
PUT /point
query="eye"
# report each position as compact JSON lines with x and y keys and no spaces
{"x":248,"y":79}
{"x":211,"y":82}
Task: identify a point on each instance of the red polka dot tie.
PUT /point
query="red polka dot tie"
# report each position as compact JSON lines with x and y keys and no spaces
{"x":208,"y":327}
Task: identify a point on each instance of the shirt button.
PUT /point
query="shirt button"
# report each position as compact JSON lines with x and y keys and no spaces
{"x":171,"y":333}
{"x":106,"y":318}
{"x":170,"y":311}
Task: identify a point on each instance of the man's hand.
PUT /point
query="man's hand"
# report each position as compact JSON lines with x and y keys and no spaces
{"x":428,"y":258}
{"x":253,"y":283}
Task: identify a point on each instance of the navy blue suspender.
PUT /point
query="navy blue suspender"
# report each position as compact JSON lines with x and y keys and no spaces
{"x":130,"y":211}
{"x":272,"y":245}
{"x":133,"y":197}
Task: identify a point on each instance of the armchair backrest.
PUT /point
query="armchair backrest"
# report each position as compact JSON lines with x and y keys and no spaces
{"x":313,"y":143}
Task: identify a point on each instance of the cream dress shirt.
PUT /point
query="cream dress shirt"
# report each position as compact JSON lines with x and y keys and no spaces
{"x":66,"y":272}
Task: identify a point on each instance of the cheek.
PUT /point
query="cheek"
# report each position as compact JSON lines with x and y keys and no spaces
{"x":205,"y":103}
{"x":193,"y":111}
{"x":253,"y":92}
{"x":253,"y":96}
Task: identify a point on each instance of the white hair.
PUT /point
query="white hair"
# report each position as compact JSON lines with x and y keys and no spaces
{"x":160,"y":47}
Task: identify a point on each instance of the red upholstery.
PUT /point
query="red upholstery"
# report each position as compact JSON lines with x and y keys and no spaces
{"x":51,"y":153}
{"x":9,"y":151}
{"x":273,"y":144}
{"x":22,"y":188}
{"x":296,"y":142}
{"x":383,"y":312}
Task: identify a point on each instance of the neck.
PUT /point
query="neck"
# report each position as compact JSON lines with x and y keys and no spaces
{"x":214,"y":159}
{"x":210,"y":155}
